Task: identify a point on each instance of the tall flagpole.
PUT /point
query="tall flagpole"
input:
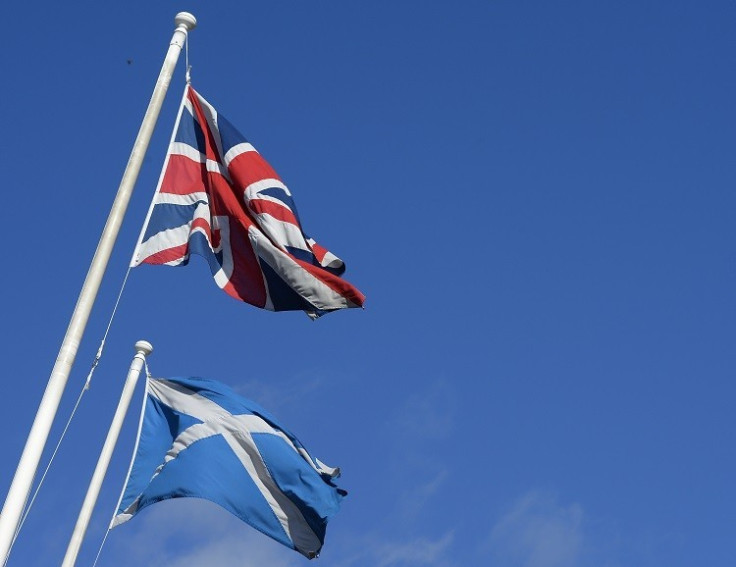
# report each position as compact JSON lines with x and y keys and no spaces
{"x":22,"y":481}
{"x":143,"y":349}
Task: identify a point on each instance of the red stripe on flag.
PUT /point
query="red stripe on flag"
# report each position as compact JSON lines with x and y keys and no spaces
{"x":246,"y":281}
{"x":168,"y":255}
{"x":319,"y":251}
{"x":279,"y":212}
{"x":209,"y":141}
{"x":183,"y":176}
{"x":250,"y":167}
{"x":201,"y":223}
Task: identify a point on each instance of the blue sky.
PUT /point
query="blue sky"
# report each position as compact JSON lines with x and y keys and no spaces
{"x":537,"y":200}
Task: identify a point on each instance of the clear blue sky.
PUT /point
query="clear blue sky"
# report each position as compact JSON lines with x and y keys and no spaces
{"x":537,"y":199}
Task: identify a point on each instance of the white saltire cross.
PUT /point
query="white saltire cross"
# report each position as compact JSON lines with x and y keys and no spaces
{"x":237,"y":432}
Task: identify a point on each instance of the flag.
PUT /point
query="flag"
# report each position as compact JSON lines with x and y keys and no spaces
{"x":198,"y":438}
{"x":217,"y":197}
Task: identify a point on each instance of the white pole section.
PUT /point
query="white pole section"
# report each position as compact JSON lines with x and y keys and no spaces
{"x":24,"y":474}
{"x":143,"y":349}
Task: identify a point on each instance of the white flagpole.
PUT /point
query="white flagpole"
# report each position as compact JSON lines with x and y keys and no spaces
{"x":143,"y":349}
{"x":28,"y":465}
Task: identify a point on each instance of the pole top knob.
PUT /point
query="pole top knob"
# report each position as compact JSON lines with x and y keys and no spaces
{"x":186,"y":20}
{"x":144,"y":347}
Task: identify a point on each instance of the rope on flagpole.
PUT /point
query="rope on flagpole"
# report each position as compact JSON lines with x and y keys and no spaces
{"x":99,"y":551}
{"x":87,"y":382}
{"x":95,"y":363}
{"x":109,"y":525}
{"x":46,"y":470}
{"x":21,"y":486}
{"x":101,"y":348}
{"x":97,"y":358}
{"x":186,"y":59}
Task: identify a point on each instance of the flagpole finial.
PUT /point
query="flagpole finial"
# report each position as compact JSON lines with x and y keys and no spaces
{"x":185,"y":20}
{"x":144,"y":347}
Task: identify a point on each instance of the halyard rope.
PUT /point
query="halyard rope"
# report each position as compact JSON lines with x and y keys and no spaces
{"x":92,"y":369}
{"x":99,"y":551}
{"x":109,"y":525}
{"x":186,"y":58}
{"x":87,"y":382}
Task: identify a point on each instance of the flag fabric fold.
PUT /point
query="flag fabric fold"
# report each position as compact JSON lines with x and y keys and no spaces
{"x":199,"y":438}
{"x":218,"y":198}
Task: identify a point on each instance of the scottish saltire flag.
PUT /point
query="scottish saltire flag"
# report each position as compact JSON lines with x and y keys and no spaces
{"x":199,"y":438}
{"x":217,"y":197}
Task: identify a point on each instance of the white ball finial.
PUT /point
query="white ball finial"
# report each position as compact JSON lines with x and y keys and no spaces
{"x":144,"y":347}
{"x":185,"y":19}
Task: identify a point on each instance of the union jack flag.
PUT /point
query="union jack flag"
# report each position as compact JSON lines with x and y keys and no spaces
{"x":218,"y":198}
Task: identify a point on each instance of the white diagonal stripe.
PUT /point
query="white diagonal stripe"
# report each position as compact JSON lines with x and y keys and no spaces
{"x":183,"y":149}
{"x":184,"y":400}
{"x":251,"y":192}
{"x":187,"y":401}
{"x":237,"y":431}
{"x":237,"y":150}
{"x":176,"y":199}
{"x":314,"y":290}
{"x":172,"y":237}
{"x":287,"y":513}
{"x":210,"y":115}
{"x":282,"y":233}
